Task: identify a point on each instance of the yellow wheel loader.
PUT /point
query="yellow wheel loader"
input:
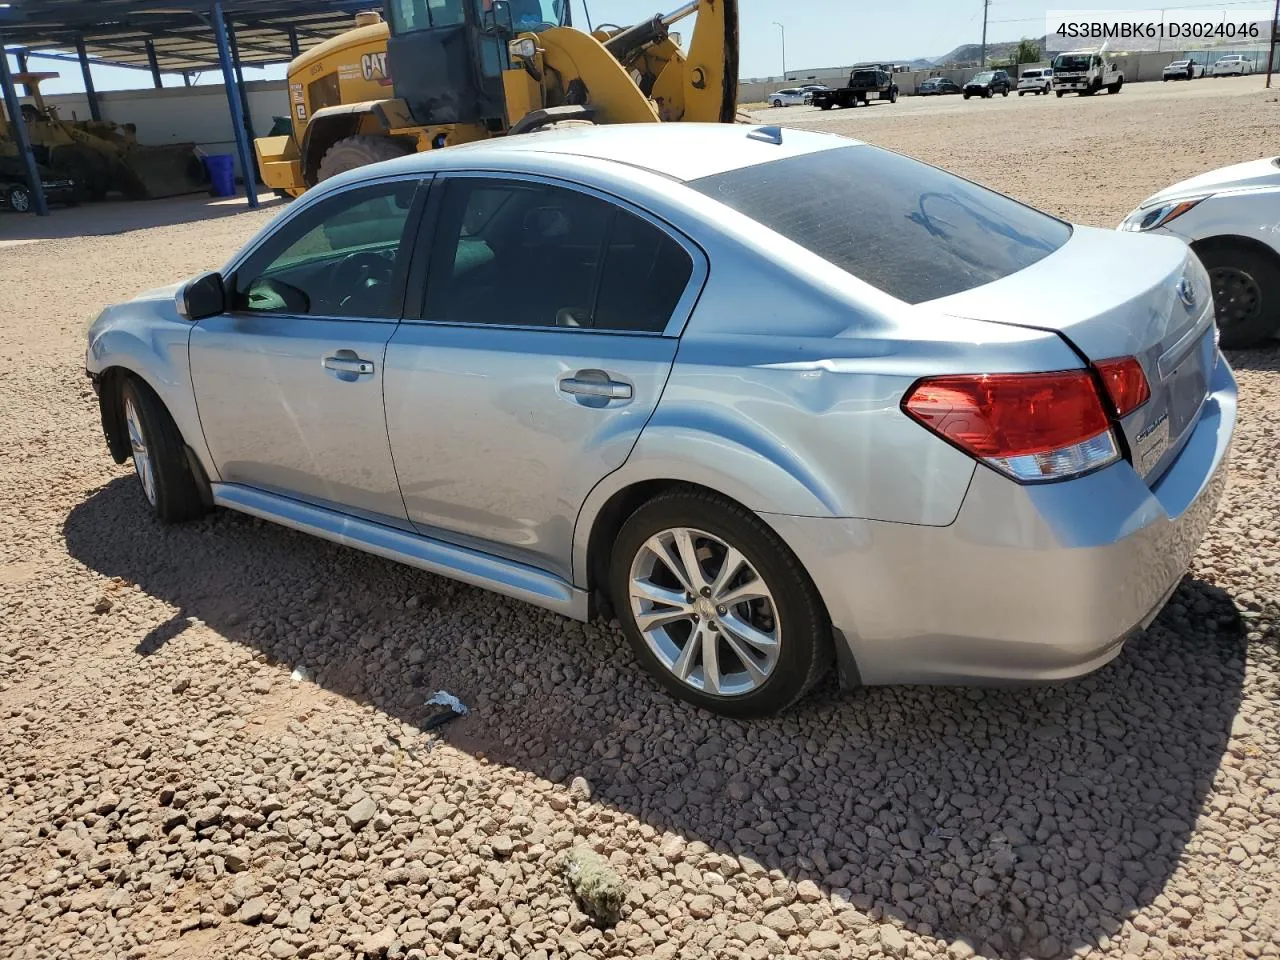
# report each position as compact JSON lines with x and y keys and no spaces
{"x":101,"y":156}
{"x":441,"y":72}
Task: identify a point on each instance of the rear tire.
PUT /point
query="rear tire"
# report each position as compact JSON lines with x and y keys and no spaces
{"x":1059,"y":93}
{"x":1246,"y":293}
{"x":792,"y":618}
{"x":159,"y":455}
{"x":1115,"y":87}
{"x":359,"y":151}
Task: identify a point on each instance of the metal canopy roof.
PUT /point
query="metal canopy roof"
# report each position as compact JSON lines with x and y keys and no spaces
{"x":117,"y":32}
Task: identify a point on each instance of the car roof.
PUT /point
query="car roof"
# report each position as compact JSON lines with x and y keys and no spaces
{"x":678,"y":151}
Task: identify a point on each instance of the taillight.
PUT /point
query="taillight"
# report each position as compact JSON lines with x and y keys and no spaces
{"x":1125,"y":382}
{"x":1029,"y":426}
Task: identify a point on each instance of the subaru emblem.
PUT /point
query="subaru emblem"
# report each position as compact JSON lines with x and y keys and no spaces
{"x":1187,"y":293}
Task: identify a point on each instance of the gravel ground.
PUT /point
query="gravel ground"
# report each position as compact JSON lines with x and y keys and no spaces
{"x":167,"y":790}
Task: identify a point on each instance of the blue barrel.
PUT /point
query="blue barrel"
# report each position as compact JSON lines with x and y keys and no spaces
{"x":222,"y":173}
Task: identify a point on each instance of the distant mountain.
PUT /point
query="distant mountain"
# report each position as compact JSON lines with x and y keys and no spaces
{"x":972,"y":52}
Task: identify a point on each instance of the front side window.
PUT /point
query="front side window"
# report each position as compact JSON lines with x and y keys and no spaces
{"x":911,"y":230}
{"x":342,"y":258}
{"x":518,"y":253}
{"x":524,"y":16}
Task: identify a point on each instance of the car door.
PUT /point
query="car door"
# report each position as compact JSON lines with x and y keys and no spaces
{"x":546,"y":333}
{"x":289,"y":381}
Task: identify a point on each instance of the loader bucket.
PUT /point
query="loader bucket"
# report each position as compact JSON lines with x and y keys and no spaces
{"x":163,"y":171}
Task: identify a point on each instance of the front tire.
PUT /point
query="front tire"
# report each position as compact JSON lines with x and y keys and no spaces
{"x":716,"y":606}
{"x":1246,"y":293}
{"x":19,"y":199}
{"x":159,"y":455}
{"x":1059,"y":93}
{"x":359,"y":151}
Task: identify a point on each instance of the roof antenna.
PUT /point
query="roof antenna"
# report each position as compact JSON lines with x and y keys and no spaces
{"x":766,"y":134}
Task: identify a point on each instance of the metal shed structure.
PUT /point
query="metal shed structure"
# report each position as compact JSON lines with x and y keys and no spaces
{"x":165,"y":36}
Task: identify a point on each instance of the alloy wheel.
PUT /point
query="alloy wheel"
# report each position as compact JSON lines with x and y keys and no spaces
{"x":705,"y":612}
{"x":141,"y":457}
{"x":20,"y":199}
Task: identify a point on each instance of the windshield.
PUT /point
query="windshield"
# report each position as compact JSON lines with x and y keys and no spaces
{"x":410,"y":15}
{"x":911,"y":230}
{"x":983,"y":77}
{"x":1071,"y":62}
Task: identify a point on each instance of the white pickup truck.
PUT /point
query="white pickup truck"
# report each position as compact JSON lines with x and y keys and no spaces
{"x":1085,"y":72}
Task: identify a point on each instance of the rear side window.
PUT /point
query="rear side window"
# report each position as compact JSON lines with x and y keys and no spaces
{"x":906,"y":228}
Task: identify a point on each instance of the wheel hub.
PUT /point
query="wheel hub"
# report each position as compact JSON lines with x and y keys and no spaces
{"x":1237,"y":297}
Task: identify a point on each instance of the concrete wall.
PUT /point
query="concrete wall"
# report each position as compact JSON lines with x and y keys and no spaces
{"x":182,"y":114}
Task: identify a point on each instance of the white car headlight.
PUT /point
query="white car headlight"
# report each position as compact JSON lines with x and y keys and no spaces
{"x":1159,"y":214}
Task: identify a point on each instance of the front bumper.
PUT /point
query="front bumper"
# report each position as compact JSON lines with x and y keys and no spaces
{"x":1037,"y":582}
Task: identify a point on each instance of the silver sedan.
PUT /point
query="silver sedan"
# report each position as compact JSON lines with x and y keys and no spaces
{"x":779,"y":400}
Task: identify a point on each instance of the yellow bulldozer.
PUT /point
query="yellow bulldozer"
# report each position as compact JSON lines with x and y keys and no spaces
{"x":101,"y":156}
{"x":433,"y":73}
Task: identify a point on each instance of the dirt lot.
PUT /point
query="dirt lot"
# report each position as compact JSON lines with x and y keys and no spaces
{"x":166,"y":790}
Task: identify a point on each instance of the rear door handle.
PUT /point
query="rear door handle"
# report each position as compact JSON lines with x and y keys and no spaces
{"x":602,"y":389}
{"x":349,"y":364}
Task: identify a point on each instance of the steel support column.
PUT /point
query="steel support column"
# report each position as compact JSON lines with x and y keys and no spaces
{"x":243,"y":147}
{"x":154,"y":64}
{"x":19,"y":128}
{"x":95,"y":110}
{"x":294,"y":49}
{"x":23,"y":65}
{"x":244,"y":93}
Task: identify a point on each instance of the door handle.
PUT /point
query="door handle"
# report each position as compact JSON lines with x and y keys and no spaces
{"x":599,"y":389}
{"x":351,"y":364}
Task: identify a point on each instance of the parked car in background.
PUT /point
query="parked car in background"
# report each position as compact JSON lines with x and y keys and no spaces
{"x":1037,"y":80}
{"x":812,"y":88}
{"x":987,"y":83}
{"x":656,"y":374}
{"x":1182,"y":70}
{"x":1228,"y":217}
{"x":16,"y":195}
{"x":937,"y":86}
{"x":791,"y":97}
{"x":1233,"y":65}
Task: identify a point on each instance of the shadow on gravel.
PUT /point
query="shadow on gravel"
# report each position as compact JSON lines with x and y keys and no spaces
{"x":1025,"y":821}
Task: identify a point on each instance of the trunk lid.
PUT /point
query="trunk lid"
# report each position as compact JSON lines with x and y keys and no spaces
{"x":1112,"y":294}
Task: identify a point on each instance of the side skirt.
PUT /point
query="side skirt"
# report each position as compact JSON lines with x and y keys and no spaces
{"x":515,"y":580}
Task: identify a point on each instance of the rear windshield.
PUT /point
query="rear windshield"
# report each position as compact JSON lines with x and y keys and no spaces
{"x":1031,"y":73}
{"x":907,"y":228}
{"x":865,"y":76}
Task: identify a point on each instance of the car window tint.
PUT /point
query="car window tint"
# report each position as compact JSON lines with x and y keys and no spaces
{"x":342,"y":258}
{"x":518,"y":253}
{"x":907,"y":228}
{"x":645,"y":273}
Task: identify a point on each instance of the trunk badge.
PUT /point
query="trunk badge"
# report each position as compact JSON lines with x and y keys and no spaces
{"x":1187,"y":293}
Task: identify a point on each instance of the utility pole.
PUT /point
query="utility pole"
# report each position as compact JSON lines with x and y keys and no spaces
{"x":1271,"y":52}
{"x":986,"y":5}
{"x":784,"y":47}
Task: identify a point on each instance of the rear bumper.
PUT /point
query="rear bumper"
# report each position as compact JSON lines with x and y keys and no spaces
{"x":1029,"y":583}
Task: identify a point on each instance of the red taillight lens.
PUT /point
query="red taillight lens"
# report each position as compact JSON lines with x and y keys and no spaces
{"x":1125,"y":382}
{"x":1031,"y":426}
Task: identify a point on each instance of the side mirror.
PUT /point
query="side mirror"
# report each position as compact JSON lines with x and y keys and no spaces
{"x":204,"y":296}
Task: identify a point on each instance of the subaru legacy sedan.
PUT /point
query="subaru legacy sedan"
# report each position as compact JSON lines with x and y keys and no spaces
{"x":772,"y":397}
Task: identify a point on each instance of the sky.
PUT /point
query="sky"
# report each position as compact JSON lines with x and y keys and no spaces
{"x":819,"y":33}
